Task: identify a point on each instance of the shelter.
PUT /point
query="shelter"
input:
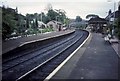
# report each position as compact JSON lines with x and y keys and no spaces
{"x":41,"y":24}
{"x":57,"y":26}
{"x":98,"y":24}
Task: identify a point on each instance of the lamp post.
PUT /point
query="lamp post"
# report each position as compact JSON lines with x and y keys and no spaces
{"x":41,"y":22}
{"x":57,"y":18}
{"x":58,"y":26}
{"x":41,"y":16}
{"x":112,"y":32}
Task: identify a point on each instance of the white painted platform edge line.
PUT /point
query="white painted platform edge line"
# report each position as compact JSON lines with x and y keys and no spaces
{"x":45,"y":38}
{"x":118,"y":55}
{"x":116,"y":52}
{"x":60,"y":66}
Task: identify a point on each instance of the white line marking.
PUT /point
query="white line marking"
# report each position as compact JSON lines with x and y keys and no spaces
{"x":45,"y":38}
{"x":60,"y":66}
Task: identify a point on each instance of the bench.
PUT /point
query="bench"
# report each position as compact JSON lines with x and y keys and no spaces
{"x":107,"y":38}
{"x":114,"y":41}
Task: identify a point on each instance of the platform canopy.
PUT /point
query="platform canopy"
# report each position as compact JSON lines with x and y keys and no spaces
{"x":97,"y":20}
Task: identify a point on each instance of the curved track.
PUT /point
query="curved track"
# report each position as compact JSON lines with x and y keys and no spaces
{"x":39,"y":63}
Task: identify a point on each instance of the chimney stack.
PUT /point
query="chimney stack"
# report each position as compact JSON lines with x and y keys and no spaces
{"x":109,"y":13}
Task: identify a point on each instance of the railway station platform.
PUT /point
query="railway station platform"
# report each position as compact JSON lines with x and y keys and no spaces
{"x":96,"y":59}
{"x":14,"y":43}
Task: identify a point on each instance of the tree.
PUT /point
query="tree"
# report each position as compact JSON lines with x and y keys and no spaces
{"x":6,"y":30}
{"x":27,"y":22}
{"x":78,"y":19}
{"x":66,"y":21}
{"x":29,"y":18}
{"x":44,"y":18}
{"x":61,"y":15}
{"x":58,"y":15}
{"x":36,"y":23}
{"x":52,"y":15}
{"x":9,"y":23}
{"x":49,"y":7}
{"x":117,"y":25}
{"x":118,"y":28}
{"x":21,"y":27}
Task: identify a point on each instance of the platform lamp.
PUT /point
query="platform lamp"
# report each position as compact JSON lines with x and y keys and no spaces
{"x":41,"y":21}
{"x":113,"y":16}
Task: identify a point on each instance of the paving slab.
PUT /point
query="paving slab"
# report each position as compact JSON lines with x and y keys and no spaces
{"x":95,"y":60}
{"x":115,"y":43}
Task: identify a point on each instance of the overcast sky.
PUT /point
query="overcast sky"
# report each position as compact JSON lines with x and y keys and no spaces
{"x":73,"y":8}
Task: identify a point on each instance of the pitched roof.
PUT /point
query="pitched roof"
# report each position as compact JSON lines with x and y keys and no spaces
{"x":116,"y":13}
{"x":55,"y":22}
{"x":97,"y":20}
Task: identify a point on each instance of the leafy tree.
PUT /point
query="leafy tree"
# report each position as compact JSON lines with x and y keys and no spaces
{"x":36,"y":23}
{"x":66,"y":21}
{"x":9,"y":23}
{"x":61,"y":15}
{"x":52,"y":15}
{"x":21,"y":27}
{"x":29,"y":18}
{"x":117,"y":27}
{"x":44,"y":18}
{"x":27,"y":22}
{"x":78,"y":19}
{"x":6,"y":30}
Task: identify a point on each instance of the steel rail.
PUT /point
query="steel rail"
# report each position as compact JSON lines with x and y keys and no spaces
{"x":39,"y":53}
{"x":45,"y":62}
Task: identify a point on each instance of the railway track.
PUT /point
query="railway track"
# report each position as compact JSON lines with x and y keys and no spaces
{"x":29,"y":56}
{"x":21,"y":54}
{"x":39,"y":64}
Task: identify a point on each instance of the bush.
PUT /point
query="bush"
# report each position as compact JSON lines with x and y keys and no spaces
{"x":118,"y":27}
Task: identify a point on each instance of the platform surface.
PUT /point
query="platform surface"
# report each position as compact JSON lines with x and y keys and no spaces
{"x":12,"y":44}
{"x":96,"y":59}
